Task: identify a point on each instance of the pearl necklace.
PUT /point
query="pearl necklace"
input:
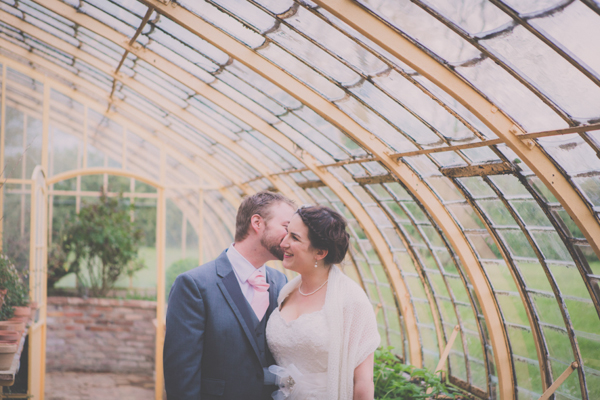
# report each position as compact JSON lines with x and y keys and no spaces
{"x":308,"y":294}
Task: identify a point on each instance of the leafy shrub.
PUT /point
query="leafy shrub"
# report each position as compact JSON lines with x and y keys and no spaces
{"x":397,"y":381}
{"x":101,"y":244}
{"x":18,"y":291}
{"x":177,"y":268}
{"x":58,"y":267}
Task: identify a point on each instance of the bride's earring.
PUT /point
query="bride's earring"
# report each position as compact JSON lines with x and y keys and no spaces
{"x":316,"y":264}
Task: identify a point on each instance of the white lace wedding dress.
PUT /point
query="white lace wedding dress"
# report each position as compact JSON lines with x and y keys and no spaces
{"x":318,"y":352}
{"x":301,"y":348}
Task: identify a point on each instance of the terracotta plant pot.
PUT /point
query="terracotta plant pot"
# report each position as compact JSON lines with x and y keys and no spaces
{"x":10,"y":336}
{"x":12,"y":326}
{"x":22,"y":311}
{"x":22,"y":320}
{"x":7,"y":353}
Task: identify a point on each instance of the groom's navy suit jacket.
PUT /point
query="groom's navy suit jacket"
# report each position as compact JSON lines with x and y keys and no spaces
{"x":215,"y":347}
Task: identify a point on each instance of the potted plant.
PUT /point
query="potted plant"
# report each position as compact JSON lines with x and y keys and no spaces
{"x":16,"y":301}
{"x":394,"y":380}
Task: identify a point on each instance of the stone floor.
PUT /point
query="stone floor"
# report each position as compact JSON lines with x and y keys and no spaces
{"x":98,"y":386}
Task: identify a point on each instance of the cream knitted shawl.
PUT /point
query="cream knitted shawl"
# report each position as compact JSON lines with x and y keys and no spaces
{"x":352,"y":329}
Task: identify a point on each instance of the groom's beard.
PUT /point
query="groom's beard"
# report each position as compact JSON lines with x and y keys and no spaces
{"x":272,"y":245}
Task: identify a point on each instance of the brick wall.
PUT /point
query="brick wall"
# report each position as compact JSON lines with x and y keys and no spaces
{"x":100,"y":335}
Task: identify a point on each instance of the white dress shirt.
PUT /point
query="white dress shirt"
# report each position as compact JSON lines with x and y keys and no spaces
{"x":243,"y":269}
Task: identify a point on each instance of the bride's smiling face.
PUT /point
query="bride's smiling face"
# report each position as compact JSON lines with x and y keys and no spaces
{"x":298,"y":254}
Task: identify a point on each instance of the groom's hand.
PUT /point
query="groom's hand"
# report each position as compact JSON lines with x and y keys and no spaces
{"x":269,"y":377}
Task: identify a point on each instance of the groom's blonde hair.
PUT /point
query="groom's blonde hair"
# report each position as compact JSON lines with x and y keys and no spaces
{"x":259,"y":203}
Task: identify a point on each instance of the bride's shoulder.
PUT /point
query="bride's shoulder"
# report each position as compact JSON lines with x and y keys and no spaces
{"x":354,"y":294}
{"x":287,"y":289}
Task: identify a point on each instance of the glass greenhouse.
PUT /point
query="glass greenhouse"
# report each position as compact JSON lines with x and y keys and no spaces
{"x":461,"y":140}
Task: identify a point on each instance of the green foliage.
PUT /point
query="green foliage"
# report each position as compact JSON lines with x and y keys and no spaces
{"x":396,"y":381}
{"x":177,"y":268}
{"x":18,"y":292}
{"x":58,"y":265}
{"x":101,"y":244}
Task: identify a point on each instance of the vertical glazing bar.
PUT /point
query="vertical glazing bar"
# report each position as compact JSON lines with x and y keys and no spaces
{"x":161,"y":225}
{"x":44,"y":285}
{"x":85,"y":136}
{"x":2,"y":136}
{"x":23,"y":172}
{"x":45,"y":125}
{"x":201,"y":226}
{"x":33,"y":363}
{"x":124,"y":156}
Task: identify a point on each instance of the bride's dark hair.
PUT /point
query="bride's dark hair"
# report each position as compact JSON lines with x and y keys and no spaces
{"x":326,"y":231}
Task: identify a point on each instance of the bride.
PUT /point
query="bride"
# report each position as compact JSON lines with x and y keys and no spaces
{"x":323,"y":333}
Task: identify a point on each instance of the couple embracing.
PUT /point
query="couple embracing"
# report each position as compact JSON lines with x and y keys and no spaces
{"x":237,"y":330}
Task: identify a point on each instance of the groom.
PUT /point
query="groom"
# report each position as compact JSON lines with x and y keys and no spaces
{"x":215,"y":344}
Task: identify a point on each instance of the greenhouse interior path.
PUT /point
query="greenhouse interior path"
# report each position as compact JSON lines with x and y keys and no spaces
{"x":98,"y":386}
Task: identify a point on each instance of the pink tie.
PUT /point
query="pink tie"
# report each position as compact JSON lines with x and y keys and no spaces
{"x":260,"y":301}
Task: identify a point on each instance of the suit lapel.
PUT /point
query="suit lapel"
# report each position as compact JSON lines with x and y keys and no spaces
{"x":272,"y":295}
{"x":230,"y":288}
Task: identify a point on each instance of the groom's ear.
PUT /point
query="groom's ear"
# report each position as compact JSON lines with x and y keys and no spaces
{"x":257,"y":223}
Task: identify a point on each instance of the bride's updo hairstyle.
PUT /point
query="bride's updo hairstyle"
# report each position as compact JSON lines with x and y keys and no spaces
{"x":326,"y":231}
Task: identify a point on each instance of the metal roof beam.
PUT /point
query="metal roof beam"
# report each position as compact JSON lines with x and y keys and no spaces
{"x":132,"y":83}
{"x":260,"y":125}
{"x":167,"y":67}
{"x":370,"y":142}
{"x":77,"y":95}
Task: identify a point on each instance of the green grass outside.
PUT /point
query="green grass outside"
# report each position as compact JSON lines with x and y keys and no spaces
{"x":582,"y":314}
{"x":146,"y":278}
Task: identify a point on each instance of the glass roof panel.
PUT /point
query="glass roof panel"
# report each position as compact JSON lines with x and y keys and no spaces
{"x":241,"y":99}
{"x":313,"y":55}
{"x":530,"y":6}
{"x":251,"y":14}
{"x":264,"y":85}
{"x":575,"y":28}
{"x":317,"y":137}
{"x":552,"y":74}
{"x":330,"y":131}
{"x":396,"y":114}
{"x":427,"y":108}
{"x":300,"y":70}
{"x":165,"y":29}
{"x":425,"y":29}
{"x":167,"y":41}
{"x":511,"y":96}
{"x":107,"y":14}
{"x":251,"y":93}
{"x":474,"y":16}
{"x":276,"y":6}
{"x":375,"y":124}
{"x":213,"y":15}
{"x":304,"y":144}
{"x":343,"y":27}
{"x":336,"y":42}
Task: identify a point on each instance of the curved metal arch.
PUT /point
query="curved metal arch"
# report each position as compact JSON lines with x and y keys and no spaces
{"x":115,"y":116}
{"x":200,"y":87}
{"x":369,"y":141}
{"x":100,"y":171}
{"x":40,"y":34}
{"x":395,"y":43}
{"x":169,"y":68}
